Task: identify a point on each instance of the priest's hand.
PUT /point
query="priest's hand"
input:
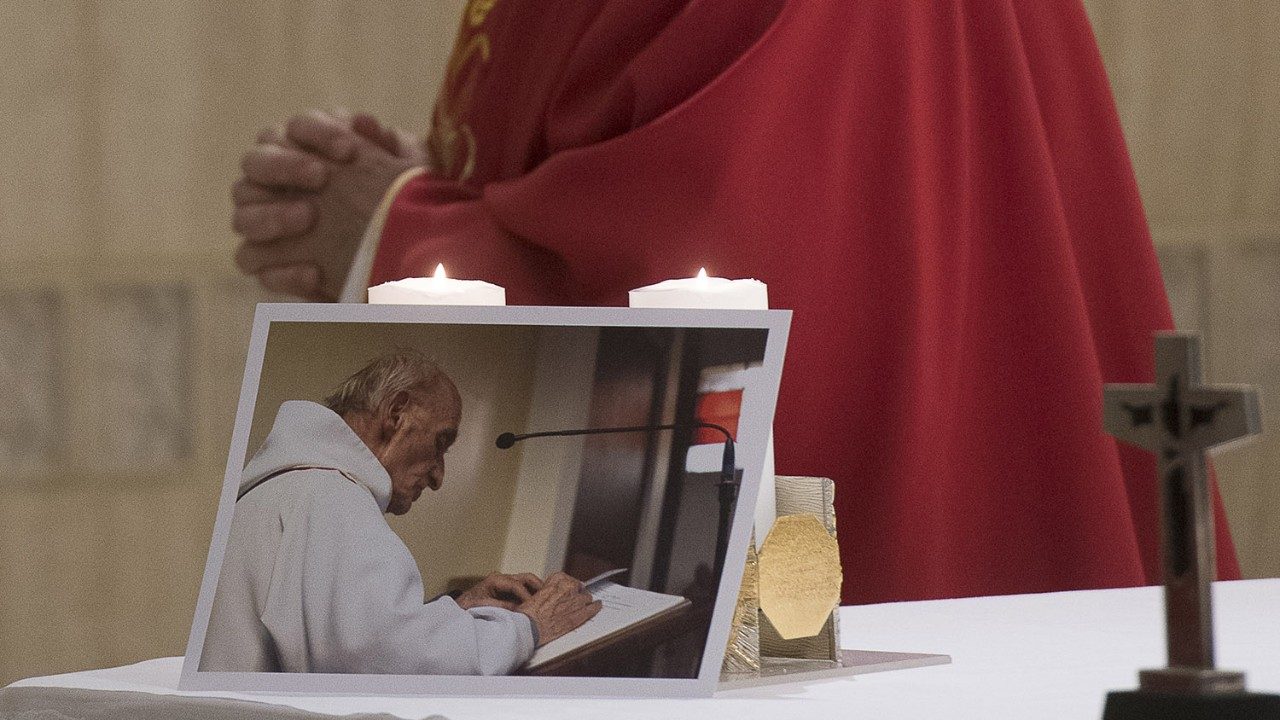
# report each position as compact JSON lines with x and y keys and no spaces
{"x":497,"y":590}
{"x":563,"y":604}
{"x":307,"y":193}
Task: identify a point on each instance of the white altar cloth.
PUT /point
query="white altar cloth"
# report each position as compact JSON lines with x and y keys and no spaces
{"x":1044,"y":656}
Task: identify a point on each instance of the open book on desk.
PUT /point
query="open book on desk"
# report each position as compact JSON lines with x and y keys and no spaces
{"x":624,"y":610}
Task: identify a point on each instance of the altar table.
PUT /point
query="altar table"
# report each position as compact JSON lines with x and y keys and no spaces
{"x":1020,"y":656}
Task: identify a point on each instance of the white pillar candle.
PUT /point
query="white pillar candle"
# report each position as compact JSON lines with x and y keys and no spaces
{"x":437,"y":290}
{"x":721,"y":294}
{"x":703,"y":292}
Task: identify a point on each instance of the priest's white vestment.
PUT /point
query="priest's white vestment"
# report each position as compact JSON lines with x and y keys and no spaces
{"x":314,"y":580}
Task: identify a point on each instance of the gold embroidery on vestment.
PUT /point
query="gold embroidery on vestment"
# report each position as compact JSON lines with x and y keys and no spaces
{"x":478,"y":10}
{"x":452,"y":143}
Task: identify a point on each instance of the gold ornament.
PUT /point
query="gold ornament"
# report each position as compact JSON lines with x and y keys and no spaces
{"x":799,"y":567}
{"x":742,"y":656}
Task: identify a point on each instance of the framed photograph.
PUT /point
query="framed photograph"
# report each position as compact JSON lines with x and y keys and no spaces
{"x":486,"y":500}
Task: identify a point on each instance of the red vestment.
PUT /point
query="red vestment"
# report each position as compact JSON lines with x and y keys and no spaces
{"x":939,"y":190}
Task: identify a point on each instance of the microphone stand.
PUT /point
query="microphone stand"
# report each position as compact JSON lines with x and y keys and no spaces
{"x":728,"y":482}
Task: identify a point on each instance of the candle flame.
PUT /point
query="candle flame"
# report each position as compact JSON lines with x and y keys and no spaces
{"x":439,"y":274}
{"x":701,"y":279}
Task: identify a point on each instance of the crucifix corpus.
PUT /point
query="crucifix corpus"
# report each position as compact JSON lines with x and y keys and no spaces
{"x":1179,"y":419}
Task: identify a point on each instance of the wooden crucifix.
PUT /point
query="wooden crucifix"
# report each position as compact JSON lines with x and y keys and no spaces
{"x":1179,"y":419}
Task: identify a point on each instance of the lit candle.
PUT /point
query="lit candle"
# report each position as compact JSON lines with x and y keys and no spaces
{"x":437,"y":290}
{"x":703,"y":292}
{"x":720,"y":294}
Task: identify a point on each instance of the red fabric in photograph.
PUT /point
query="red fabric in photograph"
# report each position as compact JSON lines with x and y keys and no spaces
{"x":721,"y":407}
{"x":939,"y":190}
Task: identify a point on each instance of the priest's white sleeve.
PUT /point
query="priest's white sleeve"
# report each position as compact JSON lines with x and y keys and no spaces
{"x":346,"y":596}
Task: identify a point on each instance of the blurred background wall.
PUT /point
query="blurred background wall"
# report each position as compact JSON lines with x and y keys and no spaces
{"x":123,"y":325}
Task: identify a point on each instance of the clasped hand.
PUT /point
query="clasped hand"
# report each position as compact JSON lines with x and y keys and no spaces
{"x":307,"y":192}
{"x":555,"y":606}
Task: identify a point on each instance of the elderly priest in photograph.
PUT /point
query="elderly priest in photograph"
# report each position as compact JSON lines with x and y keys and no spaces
{"x":313,"y":578}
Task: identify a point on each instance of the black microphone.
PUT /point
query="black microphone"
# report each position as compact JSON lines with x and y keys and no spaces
{"x":728,"y":474}
{"x":728,"y":468}
{"x":506,"y":440}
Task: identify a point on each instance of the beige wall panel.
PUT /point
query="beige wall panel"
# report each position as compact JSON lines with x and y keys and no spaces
{"x":33,"y":423}
{"x":1245,"y":286}
{"x":147,"y":95}
{"x":386,"y":58}
{"x":1260,"y":112}
{"x":53,"y":603}
{"x":404,"y":49}
{"x":224,"y":320}
{"x":1174,"y":68}
{"x":1104,"y":16}
{"x":17,"y":534}
{"x":46,"y":118}
{"x":160,"y":537}
{"x":1184,"y":281}
{"x":96,"y":573}
{"x":25,"y":556}
{"x":244,"y":59}
{"x":134,"y":377}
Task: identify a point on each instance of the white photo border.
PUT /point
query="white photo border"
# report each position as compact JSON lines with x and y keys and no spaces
{"x":755,"y":423}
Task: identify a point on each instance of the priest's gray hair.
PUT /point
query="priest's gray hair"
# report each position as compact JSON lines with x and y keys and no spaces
{"x":375,"y":385}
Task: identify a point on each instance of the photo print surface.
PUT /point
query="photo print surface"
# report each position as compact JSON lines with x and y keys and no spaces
{"x":487,"y":500}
